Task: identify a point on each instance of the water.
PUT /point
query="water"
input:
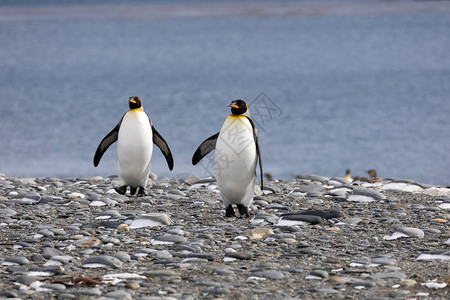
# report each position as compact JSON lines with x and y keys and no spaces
{"x":360,"y":88}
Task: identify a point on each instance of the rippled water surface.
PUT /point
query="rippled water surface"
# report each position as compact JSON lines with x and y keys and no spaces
{"x":331,"y":84}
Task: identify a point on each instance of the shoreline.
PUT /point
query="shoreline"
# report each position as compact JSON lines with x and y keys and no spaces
{"x":311,"y":237}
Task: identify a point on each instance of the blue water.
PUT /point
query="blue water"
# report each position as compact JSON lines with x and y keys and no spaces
{"x":352,"y":90}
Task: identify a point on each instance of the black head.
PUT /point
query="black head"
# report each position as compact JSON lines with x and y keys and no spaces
{"x":135,"y":102}
{"x":238,"y":107}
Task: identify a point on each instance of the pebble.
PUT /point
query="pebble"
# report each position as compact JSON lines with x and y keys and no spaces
{"x":365,"y":195}
{"x":406,"y":232}
{"x":102,"y":261}
{"x":268,"y":274}
{"x":150,"y":220}
{"x":68,"y":238}
{"x":434,"y":284}
{"x":389,"y":275}
{"x":87,"y":292}
{"x":327,"y":291}
{"x":350,"y":221}
{"x":54,"y":286}
{"x":258,"y":233}
{"x":15,"y":261}
{"x":169,"y":238}
{"x":321,"y":274}
{"x":119,"y":294}
{"x":443,"y":255}
{"x":298,"y":219}
{"x":324,"y":214}
{"x":7,"y":212}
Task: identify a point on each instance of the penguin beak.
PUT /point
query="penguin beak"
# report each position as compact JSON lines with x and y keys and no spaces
{"x":132,"y":101}
{"x":233,"y":106}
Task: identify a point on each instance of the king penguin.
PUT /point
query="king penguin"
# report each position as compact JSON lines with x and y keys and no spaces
{"x":135,"y":135}
{"x":236,"y":157}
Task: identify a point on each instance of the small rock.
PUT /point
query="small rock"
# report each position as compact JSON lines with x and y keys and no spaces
{"x":102,"y":261}
{"x":406,"y":232}
{"x":119,"y":294}
{"x":269,"y":274}
{"x":19,"y":260}
{"x":389,"y":275}
{"x":258,"y":233}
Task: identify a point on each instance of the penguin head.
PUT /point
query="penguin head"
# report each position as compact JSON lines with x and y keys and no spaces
{"x":135,"y":102}
{"x":372,"y":173}
{"x":238,"y":107}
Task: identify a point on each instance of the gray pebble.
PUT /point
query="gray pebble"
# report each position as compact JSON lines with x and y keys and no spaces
{"x":411,"y":232}
{"x":119,"y":294}
{"x":27,"y":279}
{"x":324,"y":214}
{"x":239,"y":255}
{"x":311,"y":219}
{"x":54,"y":286}
{"x":159,"y":273}
{"x":122,"y":256}
{"x":161,"y":254}
{"x":384,"y":261}
{"x":223,"y":271}
{"x":48,"y":252}
{"x":269,"y":274}
{"x":103,"y":260}
{"x":171,"y":238}
{"x":369,"y":193}
{"x":327,"y":291}
{"x":319,"y":273}
{"x":62,"y":258}
{"x":8,"y":294}
{"x":363,"y":284}
{"x":7,"y":212}
{"x":19,"y":260}
{"x":389,"y":275}
{"x":87,"y":292}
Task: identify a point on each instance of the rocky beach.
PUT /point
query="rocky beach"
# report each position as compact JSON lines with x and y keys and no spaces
{"x":311,"y":237}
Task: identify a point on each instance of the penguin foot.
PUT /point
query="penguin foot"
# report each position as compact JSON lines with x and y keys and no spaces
{"x":133,"y":190}
{"x":121,"y":189}
{"x":141,"y":192}
{"x":243,"y":210}
{"x":229,"y":212}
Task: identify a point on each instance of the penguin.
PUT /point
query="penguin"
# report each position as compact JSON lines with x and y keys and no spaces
{"x":373,"y":177}
{"x":135,"y":135}
{"x":372,"y":173}
{"x":236,"y":157}
{"x":347,"y":175}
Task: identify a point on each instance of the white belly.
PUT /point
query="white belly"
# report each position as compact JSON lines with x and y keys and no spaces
{"x":134,"y":149}
{"x":236,"y":160}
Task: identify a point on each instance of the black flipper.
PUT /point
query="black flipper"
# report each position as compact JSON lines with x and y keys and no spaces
{"x":162,"y":145}
{"x":205,"y":148}
{"x":258,"y":152}
{"x":107,"y":141}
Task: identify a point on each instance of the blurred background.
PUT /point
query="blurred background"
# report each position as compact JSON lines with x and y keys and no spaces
{"x":331,"y":84}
